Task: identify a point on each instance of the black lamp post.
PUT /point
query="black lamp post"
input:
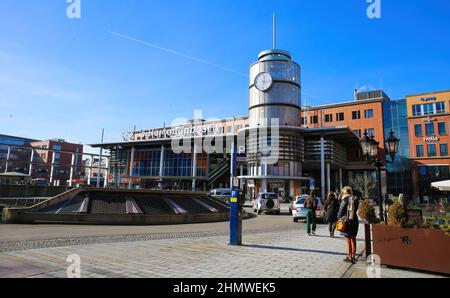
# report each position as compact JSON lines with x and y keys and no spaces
{"x":370,"y":149}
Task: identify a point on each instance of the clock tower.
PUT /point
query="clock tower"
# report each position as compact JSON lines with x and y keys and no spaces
{"x":275,"y":94}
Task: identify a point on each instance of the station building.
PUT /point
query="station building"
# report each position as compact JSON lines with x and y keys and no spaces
{"x":317,"y":148}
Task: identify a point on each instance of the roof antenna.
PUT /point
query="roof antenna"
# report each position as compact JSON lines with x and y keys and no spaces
{"x":274,"y":31}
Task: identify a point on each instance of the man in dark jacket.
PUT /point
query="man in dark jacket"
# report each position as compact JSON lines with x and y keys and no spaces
{"x":310,"y":204}
{"x":332,"y":209}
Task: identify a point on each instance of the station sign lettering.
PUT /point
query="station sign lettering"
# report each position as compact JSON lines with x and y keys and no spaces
{"x":431,"y":139}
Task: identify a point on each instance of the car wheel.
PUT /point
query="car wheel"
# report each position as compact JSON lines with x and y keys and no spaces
{"x":259,"y":212}
{"x":295,"y":219}
{"x":278,"y":212}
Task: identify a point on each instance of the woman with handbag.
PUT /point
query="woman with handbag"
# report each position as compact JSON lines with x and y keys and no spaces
{"x":348,"y":223}
{"x":332,"y":209}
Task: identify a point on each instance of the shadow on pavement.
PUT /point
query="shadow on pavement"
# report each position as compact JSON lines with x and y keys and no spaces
{"x":295,"y":249}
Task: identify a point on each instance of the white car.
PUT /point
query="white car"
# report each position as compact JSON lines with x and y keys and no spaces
{"x":222,"y":194}
{"x":298,"y":210}
{"x":268,"y":202}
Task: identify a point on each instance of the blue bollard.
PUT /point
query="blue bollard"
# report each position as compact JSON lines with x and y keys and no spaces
{"x":235,"y":219}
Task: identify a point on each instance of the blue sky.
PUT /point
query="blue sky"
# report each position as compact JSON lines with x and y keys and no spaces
{"x":68,"y":78}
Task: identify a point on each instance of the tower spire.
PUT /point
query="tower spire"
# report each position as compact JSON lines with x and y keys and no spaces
{"x":274,"y":31}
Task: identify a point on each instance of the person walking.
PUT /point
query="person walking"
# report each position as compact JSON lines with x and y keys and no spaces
{"x":348,"y":211}
{"x":310,"y":205}
{"x":331,"y":209}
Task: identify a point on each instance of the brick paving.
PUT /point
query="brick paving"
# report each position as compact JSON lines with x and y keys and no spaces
{"x":290,"y":254}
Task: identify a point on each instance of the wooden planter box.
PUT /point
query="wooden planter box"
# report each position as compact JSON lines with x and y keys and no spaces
{"x":422,"y":249}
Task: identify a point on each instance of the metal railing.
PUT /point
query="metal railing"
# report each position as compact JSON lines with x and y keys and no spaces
{"x":31,"y":158}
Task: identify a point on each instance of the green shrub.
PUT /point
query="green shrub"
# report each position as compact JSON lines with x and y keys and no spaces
{"x":367,"y":212}
{"x":397,"y":215}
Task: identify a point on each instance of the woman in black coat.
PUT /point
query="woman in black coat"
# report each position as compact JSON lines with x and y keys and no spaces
{"x":332,"y":209}
{"x":349,"y":211}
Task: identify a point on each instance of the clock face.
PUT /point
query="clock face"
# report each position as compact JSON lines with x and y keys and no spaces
{"x":263,"y":81}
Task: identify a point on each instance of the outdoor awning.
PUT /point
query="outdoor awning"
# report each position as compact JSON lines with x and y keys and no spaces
{"x":14,"y":174}
{"x":442,"y":185}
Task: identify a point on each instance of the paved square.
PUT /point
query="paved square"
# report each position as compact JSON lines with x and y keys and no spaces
{"x":273,"y":254}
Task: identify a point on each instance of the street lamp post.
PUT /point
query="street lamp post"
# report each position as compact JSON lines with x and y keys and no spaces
{"x":370,"y":149}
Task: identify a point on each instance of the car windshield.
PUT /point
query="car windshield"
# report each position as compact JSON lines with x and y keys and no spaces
{"x":268,"y":196}
{"x":300,"y":201}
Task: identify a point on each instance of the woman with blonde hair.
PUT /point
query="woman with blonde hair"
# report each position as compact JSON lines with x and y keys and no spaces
{"x":348,"y":212}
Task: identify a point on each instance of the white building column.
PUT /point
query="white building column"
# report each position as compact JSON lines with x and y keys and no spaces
{"x":30,"y":171}
{"x":194,"y":166}
{"x":161,"y":165}
{"x":322,"y":166}
{"x":328,"y":177}
{"x":90,"y":171}
{"x":130,"y":182}
{"x":52,"y":167}
{"x":105,"y":181}
{"x":8,"y":156}
{"x":72,"y":166}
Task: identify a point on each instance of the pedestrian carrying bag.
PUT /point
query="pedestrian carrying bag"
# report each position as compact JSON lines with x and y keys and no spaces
{"x":341,"y":224}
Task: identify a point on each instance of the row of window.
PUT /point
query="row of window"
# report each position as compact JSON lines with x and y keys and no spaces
{"x":429,"y":109}
{"x":432,"y":150}
{"x":370,"y":132}
{"x":430,"y":129}
{"x":368,"y":114}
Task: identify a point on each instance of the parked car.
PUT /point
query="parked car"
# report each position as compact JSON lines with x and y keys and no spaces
{"x":268,"y":202}
{"x":222,"y":194}
{"x":298,"y":211}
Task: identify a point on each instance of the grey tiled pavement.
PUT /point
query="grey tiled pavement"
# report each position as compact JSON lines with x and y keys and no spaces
{"x":273,"y":254}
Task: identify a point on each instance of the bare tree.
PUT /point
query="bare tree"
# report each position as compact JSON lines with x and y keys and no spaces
{"x":364,"y":183}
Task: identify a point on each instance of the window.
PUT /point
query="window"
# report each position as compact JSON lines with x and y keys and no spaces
{"x":356,"y":115}
{"x":417,"y":110}
{"x":370,"y":132}
{"x":340,"y":117}
{"x":418,"y":130}
{"x":423,"y":171}
{"x":57,"y":147}
{"x":431,"y":150}
{"x":57,"y":156}
{"x":329,"y":118}
{"x":440,"y":107}
{"x":304,"y":120}
{"x":429,"y":127}
{"x":442,"y":128}
{"x":419,"y":151}
{"x":444,"y":149}
{"x":368,"y":113}
{"x":357,"y":132}
{"x":229,"y":129}
{"x":428,"y":109}
{"x":314,"y":119}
